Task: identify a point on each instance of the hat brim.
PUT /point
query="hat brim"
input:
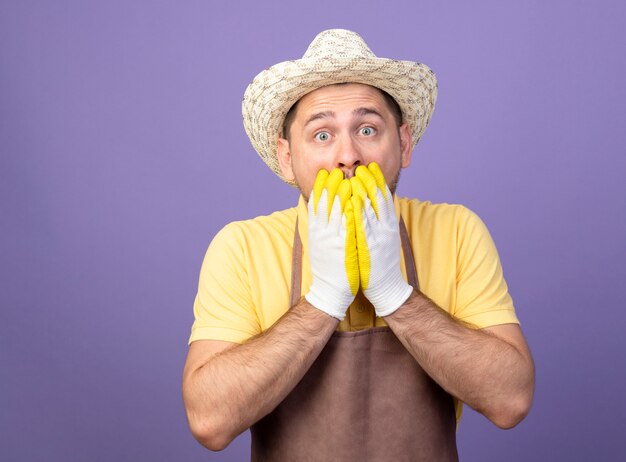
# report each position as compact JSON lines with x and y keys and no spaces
{"x":275,"y":90}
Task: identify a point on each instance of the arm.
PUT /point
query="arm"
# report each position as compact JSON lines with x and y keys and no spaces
{"x":228,"y":387}
{"x":491,"y":369}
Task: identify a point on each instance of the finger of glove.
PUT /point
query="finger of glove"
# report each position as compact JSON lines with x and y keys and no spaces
{"x":382,"y":234}
{"x":359,"y":195}
{"x":318,"y":187}
{"x":351,"y":255}
{"x":365,"y":204}
{"x":383,"y":205}
{"x":369,"y":183}
{"x":332,"y":185}
{"x":335,"y":215}
{"x":386,"y":209}
{"x":363,"y":253}
{"x":377,"y":173}
{"x":344,"y":192}
{"x":322,"y":213}
{"x":370,"y":219}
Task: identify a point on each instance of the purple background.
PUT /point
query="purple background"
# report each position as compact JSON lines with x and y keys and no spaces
{"x":123,"y":153}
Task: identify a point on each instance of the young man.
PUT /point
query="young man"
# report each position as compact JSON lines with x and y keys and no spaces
{"x":405,"y":313}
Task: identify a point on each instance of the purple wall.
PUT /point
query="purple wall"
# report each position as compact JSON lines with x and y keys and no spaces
{"x":122,"y":153}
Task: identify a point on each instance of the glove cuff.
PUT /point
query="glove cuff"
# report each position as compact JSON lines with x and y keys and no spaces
{"x":332,"y":306}
{"x":387,"y":301}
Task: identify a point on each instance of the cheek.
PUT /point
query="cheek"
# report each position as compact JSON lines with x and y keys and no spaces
{"x":390,"y":167}
{"x":305,"y":172}
{"x":308,"y":167}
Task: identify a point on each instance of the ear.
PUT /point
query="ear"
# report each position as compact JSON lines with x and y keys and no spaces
{"x":406,"y":145}
{"x":284,"y":159}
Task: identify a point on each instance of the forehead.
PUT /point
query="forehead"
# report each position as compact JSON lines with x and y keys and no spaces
{"x":337,"y":96}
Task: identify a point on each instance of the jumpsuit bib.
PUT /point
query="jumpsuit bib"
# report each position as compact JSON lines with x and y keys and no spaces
{"x":365,"y":398}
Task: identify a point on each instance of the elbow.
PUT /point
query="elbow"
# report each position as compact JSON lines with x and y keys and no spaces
{"x":510,"y":419}
{"x":209,"y":434}
{"x":515,"y":405}
{"x":208,"y":428}
{"x":205,"y":421}
{"x":214,"y":442}
{"x":511,"y":413}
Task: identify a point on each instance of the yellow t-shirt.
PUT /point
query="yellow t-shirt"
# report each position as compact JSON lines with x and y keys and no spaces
{"x":246,"y":274}
{"x":245,"y":278}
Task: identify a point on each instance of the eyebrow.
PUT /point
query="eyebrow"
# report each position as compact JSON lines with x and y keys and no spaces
{"x":363,"y":111}
{"x":320,"y":115}
{"x":359,"y":112}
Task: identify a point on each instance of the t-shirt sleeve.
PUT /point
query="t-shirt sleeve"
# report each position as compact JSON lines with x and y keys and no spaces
{"x":482,"y":294}
{"x":223,"y":307}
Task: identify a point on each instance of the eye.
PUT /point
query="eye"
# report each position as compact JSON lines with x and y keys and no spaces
{"x":322,"y":136}
{"x":367,"y":131}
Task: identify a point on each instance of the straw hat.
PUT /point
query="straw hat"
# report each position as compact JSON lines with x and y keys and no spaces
{"x":334,"y":56}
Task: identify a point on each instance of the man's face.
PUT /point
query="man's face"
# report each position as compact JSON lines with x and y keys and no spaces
{"x":343,"y":126}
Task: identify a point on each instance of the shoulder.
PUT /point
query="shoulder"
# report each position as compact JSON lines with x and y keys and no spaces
{"x":274,"y":226}
{"x":446,"y":227}
{"x":418,"y":212}
{"x":255,"y":237}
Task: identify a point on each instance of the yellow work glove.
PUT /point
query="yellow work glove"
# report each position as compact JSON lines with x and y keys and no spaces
{"x":378,"y":241}
{"x":332,"y":245}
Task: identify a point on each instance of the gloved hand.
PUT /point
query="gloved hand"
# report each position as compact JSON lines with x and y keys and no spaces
{"x":332,"y":245}
{"x":378,"y":241}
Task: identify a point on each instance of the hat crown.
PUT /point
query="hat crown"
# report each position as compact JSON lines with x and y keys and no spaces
{"x":338,"y":43}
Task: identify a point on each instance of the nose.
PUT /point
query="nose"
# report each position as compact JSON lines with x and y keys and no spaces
{"x":348,"y":156}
